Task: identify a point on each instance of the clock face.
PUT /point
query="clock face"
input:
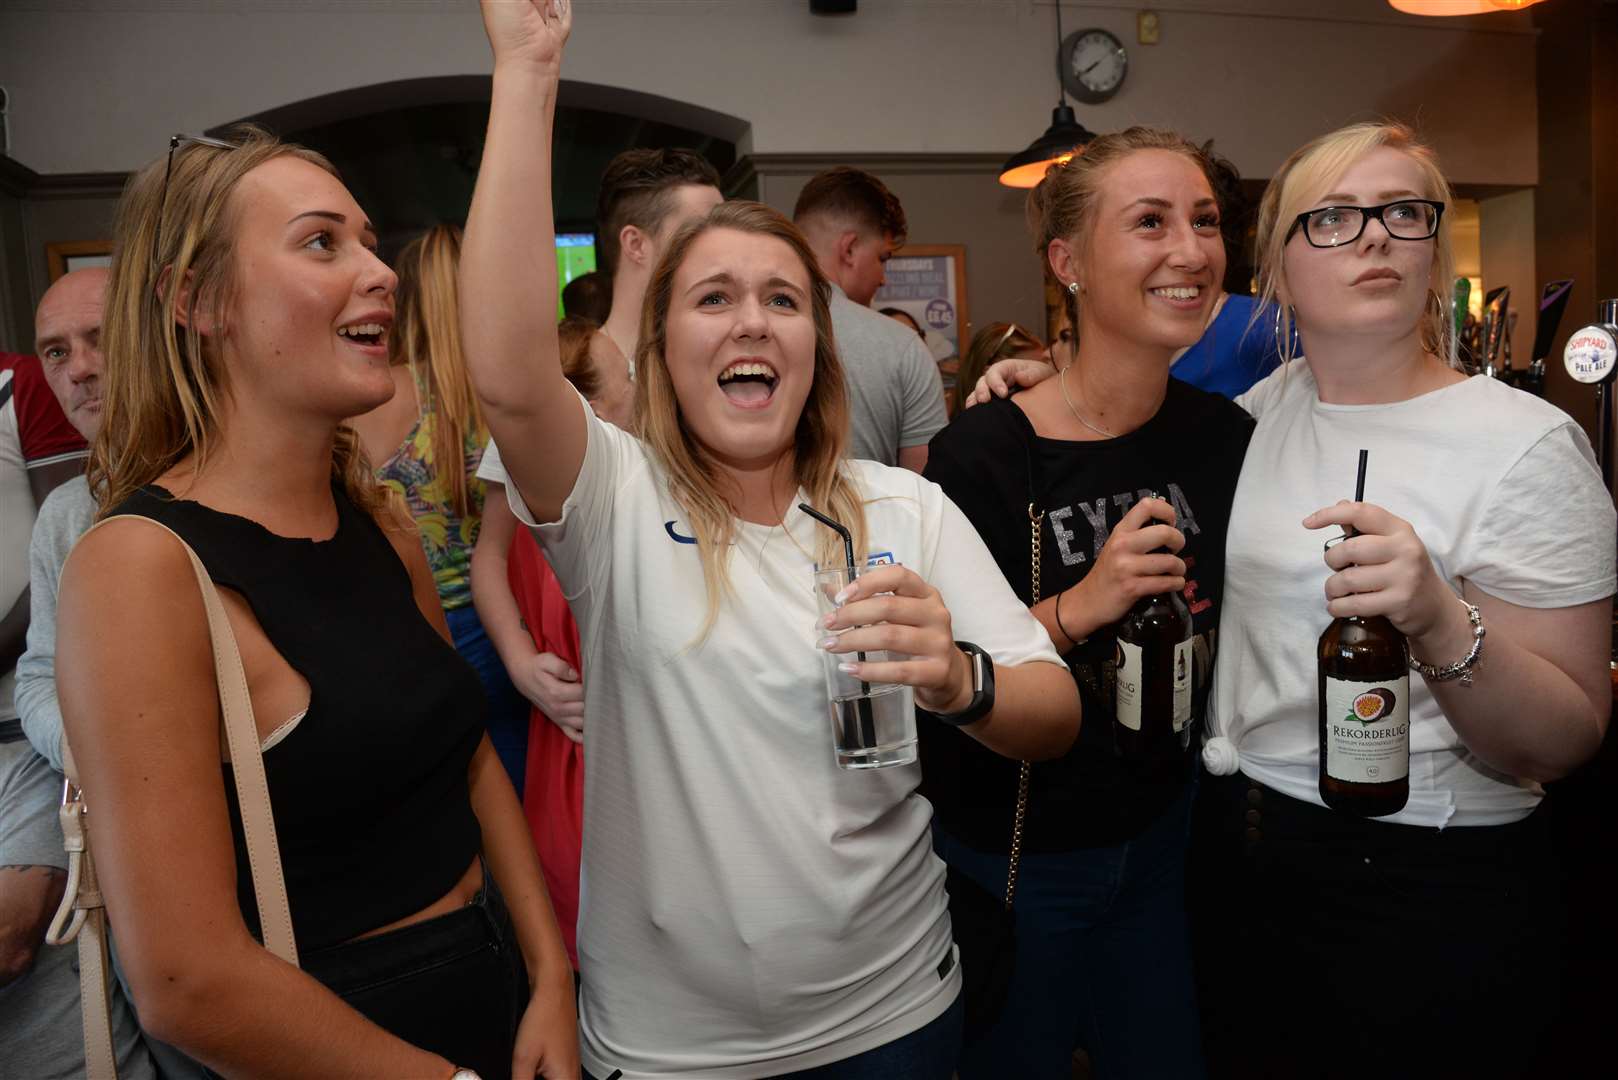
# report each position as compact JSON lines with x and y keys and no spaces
{"x":1093,"y":64}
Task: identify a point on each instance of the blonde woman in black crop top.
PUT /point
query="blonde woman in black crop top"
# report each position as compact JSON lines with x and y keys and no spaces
{"x":394,"y":818}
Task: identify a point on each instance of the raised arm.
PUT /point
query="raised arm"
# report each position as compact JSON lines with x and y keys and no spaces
{"x":508,"y":265}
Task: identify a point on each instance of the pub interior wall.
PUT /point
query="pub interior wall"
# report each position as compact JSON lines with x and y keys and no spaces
{"x":97,"y":85}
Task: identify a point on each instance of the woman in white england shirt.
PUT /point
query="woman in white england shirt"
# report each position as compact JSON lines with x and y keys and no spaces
{"x":747,"y":908}
{"x":1335,"y":944}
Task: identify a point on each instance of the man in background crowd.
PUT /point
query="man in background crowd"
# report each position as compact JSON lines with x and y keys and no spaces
{"x":646,"y":195}
{"x":40,"y":1032}
{"x":854,"y":224}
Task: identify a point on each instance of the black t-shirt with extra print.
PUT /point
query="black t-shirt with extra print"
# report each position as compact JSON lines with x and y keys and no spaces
{"x":992,"y":464}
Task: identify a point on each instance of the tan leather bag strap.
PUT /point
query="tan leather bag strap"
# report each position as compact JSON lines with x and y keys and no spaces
{"x":82,"y":914}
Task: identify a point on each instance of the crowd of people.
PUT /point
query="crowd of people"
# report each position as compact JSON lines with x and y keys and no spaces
{"x":458,"y":543}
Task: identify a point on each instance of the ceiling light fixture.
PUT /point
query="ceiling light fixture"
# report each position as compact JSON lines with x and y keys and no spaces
{"x":1064,"y":138}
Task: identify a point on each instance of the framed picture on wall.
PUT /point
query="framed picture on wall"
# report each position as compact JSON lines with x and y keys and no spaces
{"x":927,"y":283}
{"x":77,"y":255}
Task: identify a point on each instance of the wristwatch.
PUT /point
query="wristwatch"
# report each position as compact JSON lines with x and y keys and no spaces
{"x":982,"y":689}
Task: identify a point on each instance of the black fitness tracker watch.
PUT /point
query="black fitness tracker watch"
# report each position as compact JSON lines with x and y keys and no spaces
{"x":982,"y":689}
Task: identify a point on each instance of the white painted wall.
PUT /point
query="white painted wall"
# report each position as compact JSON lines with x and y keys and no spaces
{"x":97,"y":85}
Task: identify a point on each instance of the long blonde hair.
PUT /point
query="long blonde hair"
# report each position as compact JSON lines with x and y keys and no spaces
{"x":165,"y":383}
{"x":694,"y":477}
{"x":426,"y":335}
{"x":1314,"y":168}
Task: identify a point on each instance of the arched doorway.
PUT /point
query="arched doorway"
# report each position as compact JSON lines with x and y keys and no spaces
{"x":409,"y":150}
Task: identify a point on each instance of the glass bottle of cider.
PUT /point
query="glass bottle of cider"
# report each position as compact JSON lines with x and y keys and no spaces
{"x":1152,"y":715}
{"x":1364,"y":716}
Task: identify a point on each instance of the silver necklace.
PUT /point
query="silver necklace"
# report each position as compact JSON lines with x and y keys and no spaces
{"x":1062,"y":378}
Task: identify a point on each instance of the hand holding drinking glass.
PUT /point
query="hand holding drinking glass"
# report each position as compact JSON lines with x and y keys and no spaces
{"x":890,"y":608}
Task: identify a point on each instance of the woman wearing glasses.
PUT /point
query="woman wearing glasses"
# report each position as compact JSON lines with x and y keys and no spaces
{"x":1329,"y":944}
{"x":247,"y":318}
{"x":1423,"y":942}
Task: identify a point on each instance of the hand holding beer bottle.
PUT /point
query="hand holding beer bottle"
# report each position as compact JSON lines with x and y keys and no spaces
{"x":1376,"y":594}
{"x":1138,"y":560}
{"x":1153,"y":674}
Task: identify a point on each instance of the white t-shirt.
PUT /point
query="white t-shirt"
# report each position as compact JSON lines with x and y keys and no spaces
{"x":1501,"y":487}
{"x":746,"y":907}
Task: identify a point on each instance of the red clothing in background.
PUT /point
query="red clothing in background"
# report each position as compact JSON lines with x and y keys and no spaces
{"x":553,"y":795}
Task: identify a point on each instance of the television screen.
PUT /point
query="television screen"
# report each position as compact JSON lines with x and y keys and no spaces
{"x":575,"y":257}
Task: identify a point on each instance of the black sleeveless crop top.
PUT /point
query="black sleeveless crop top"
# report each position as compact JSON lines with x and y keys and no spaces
{"x":372,"y":806}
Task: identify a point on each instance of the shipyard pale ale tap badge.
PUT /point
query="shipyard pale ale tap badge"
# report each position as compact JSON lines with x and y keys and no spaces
{"x":1591,"y":353}
{"x":1364,"y":708}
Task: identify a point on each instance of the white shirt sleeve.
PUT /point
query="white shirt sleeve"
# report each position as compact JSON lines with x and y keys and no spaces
{"x":1546,"y":536}
{"x":578,"y":544}
{"x":982,"y":606}
{"x":1267,"y":391}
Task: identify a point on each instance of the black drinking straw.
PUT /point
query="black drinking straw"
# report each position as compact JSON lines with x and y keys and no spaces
{"x":1359,"y":491}
{"x":863,"y":706}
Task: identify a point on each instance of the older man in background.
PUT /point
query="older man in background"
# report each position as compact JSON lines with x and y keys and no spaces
{"x":40,"y":1032}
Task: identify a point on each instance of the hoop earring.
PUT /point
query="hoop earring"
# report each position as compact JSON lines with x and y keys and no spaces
{"x":1283,"y":339}
{"x":1437,"y":335}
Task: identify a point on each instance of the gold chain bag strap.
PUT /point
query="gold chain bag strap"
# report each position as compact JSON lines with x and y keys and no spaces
{"x":82,"y":915}
{"x":1034,"y":523}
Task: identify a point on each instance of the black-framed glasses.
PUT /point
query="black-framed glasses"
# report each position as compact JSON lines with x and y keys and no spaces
{"x":175,"y":142}
{"x":1334,"y":226}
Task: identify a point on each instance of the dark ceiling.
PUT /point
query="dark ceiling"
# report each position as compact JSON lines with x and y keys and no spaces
{"x":413,"y":167}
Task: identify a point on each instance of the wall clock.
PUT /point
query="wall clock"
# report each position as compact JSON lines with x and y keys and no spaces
{"x":1093,"y":65}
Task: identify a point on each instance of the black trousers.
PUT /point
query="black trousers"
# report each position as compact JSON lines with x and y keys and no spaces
{"x":454,"y":985}
{"x":1329,"y":945}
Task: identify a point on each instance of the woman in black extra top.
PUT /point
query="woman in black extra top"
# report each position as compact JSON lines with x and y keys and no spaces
{"x":1131,"y":231}
{"x":247,"y":318}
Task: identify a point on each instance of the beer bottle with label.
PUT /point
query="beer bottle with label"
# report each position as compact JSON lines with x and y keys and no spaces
{"x":1152,"y":714}
{"x":1364,"y":667}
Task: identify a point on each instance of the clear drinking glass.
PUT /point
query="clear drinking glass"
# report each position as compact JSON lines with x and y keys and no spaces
{"x":873,"y":725}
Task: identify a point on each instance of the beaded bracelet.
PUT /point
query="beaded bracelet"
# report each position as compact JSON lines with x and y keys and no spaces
{"x":1461,"y":669}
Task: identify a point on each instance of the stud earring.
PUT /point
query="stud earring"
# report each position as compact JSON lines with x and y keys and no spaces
{"x":1073,"y":287}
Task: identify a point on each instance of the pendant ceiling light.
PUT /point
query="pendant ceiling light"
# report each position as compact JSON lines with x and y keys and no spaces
{"x":1064,"y":138}
{"x":1459,"y":7}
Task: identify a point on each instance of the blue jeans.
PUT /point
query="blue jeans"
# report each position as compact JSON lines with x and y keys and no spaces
{"x":1103,"y":959}
{"x":928,"y":1053}
{"x":508,"y":710}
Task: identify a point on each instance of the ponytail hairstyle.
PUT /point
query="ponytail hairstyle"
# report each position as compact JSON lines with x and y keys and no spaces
{"x":165,"y":382}
{"x":819,"y":442}
{"x":1062,"y":206}
{"x":426,"y":335}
